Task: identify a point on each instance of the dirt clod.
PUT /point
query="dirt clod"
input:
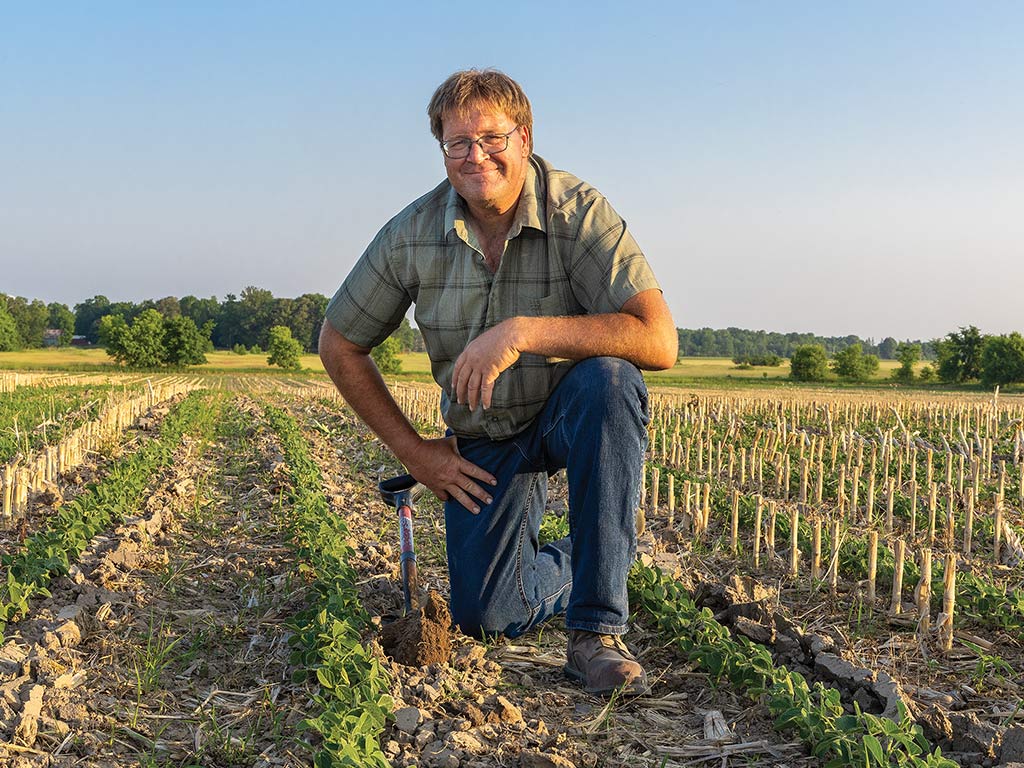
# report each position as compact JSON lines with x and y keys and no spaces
{"x":1013,"y":745}
{"x":972,"y":735}
{"x":535,"y":759}
{"x":421,"y":638}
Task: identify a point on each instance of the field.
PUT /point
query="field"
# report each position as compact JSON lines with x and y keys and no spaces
{"x":415,"y":366}
{"x":197,"y":570}
{"x":81,"y":359}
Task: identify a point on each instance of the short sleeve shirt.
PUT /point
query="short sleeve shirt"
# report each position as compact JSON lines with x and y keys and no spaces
{"x":567,"y":253}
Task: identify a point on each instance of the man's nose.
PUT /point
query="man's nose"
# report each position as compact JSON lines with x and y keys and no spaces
{"x":476,"y":153}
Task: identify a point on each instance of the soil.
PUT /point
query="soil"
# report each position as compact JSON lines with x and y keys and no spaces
{"x":168,"y":642}
{"x":508,"y":703}
{"x":422,"y":637}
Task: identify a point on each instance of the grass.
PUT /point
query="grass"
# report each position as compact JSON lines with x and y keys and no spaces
{"x":94,"y":358}
{"x":688,"y":371}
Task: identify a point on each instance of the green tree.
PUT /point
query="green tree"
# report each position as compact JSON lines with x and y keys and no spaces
{"x":908,"y":354}
{"x":284,"y":351}
{"x":169,"y":306}
{"x":152,"y":340}
{"x":405,"y":336}
{"x":145,"y":343}
{"x":184,"y":343}
{"x":1002,"y":360}
{"x":229,"y":324}
{"x":30,"y":319}
{"x":112,"y":332}
{"x":62,"y":319}
{"x":959,"y":355}
{"x":309,"y":315}
{"x":869,"y":366}
{"x":809,"y":363}
{"x":852,"y":364}
{"x":202,"y":311}
{"x":9,"y":338}
{"x":385,"y":355}
{"x":888,"y":348}
{"x":88,"y":314}
{"x":256,"y":310}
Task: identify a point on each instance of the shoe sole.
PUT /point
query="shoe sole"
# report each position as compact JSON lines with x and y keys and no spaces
{"x":636,"y":688}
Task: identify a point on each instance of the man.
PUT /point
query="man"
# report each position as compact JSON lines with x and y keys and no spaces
{"x":536,"y":308}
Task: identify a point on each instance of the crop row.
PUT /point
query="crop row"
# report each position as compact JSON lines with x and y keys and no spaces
{"x":851,"y":551}
{"x":34,"y":473}
{"x":835,"y":496}
{"x":12,"y":380}
{"x":353,"y":699}
{"x":815,"y":712}
{"x":49,"y":552}
{"x":32,"y":417}
{"x":848,"y":469}
{"x":934,"y":418}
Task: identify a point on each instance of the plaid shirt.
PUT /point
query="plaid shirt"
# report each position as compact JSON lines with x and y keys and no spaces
{"x":567,"y":253}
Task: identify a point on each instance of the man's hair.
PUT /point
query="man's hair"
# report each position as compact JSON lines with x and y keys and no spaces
{"x":472,"y":87}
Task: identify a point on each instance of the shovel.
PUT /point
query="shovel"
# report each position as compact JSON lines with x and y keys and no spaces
{"x":400,"y":492}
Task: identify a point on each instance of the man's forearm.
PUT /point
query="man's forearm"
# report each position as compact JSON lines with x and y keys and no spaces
{"x":641,"y":332}
{"x":612,"y":335}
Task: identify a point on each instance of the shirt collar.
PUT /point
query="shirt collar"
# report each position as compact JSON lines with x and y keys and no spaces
{"x":529,"y":213}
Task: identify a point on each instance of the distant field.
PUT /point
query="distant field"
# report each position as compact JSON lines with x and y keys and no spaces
{"x":688,"y":368}
{"x":73,"y":358}
{"x":415,"y":365}
{"x":722,"y":367}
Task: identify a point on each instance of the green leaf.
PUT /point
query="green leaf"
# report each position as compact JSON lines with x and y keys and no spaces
{"x":874,"y":749}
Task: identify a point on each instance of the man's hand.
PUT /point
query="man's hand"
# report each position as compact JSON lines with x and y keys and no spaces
{"x":438,"y":465}
{"x":480,"y":363}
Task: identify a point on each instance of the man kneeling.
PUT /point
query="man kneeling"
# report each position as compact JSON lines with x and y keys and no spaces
{"x":537,"y":308}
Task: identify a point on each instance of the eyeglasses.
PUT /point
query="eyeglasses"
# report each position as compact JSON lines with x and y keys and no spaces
{"x":492,"y":144}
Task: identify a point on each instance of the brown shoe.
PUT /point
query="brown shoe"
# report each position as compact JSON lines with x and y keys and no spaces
{"x":604,"y":665}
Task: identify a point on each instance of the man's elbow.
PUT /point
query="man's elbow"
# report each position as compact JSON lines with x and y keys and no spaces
{"x":327,"y":343}
{"x":664,"y":349}
{"x":662,"y":339}
{"x":667,"y":352}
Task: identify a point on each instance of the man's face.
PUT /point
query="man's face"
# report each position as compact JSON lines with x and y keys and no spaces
{"x":491,"y":182}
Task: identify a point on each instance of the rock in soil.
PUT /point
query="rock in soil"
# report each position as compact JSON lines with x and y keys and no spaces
{"x":972,"y":735}
{"x":1013,"y":745}
{"x":421,"y":638}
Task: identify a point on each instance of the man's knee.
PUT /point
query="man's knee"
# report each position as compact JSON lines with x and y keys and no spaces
{"x":478,"y":616}
{"x":610,"y":384}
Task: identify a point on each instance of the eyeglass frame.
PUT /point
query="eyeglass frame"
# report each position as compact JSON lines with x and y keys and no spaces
{"x":479,"y":143}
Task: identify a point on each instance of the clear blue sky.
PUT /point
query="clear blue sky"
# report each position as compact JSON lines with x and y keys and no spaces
{"x":842,"y":168}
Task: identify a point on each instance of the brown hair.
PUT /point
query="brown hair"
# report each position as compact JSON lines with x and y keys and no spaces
{"x":480,"y":86}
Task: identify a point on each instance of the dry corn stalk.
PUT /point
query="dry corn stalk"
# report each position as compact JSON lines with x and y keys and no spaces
{"x":1012,"y":553}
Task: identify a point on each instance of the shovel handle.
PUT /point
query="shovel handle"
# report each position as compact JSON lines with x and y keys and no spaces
{"x":408,"y":558}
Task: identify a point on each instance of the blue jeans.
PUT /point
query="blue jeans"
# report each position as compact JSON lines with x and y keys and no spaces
{"x":502,"y":580}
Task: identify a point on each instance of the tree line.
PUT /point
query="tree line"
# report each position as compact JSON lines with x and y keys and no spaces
{"x":238,"y":321}
{"x":178,"y":332}
{"x":741,"y":343}
{"x":964,"y":356}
